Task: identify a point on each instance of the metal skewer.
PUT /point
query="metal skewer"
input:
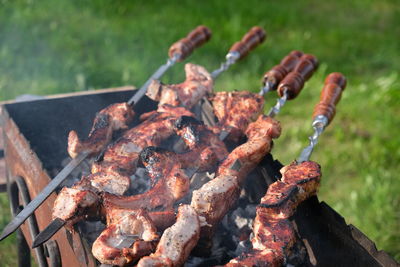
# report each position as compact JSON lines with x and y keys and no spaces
{"x":290,"y":84}
{"x":254,"y":37}
{"x":177,"y":52}
{"x":240,"y":49}
{"x":325,"y":110}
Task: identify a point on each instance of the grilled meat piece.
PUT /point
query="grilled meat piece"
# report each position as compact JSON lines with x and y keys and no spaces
{"x":72,"y":204}
{"x":299,"y":182}
{"x":128,"y":239}
{"x":161,"y":219}
{"x":235,"y":110}
{"x":122,"y":155}
{"x":247,"y":156}
{"x":112,"y":118}
{"x":170,"y":182}
{"x":205,"y":149}
{"x":177,"y":241}
{"x":215,"y":198}
{"x":261,"y":258}
{"x":197,"y":84}
{"x":274,"y":234}
{"x":111,"y":182}
{"x":212,"y":201}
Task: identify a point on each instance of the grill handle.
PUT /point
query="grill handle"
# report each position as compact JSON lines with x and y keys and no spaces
{"x":278,"y":72}
{"x":294,"y":81}
{"x":251,"y":40}
{"x":335,"y":83}
{"x":185,"y":46}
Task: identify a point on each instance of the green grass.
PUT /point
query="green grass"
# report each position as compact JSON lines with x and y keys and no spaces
{"x":52,"y":47}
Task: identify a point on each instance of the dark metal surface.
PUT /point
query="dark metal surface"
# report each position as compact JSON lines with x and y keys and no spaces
{"x":18,"y":190}
{"x":53,"y":253}
{"x":48,"y":232}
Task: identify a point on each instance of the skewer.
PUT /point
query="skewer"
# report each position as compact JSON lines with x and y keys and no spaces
{"x":177,"y":52}
{"x":240,"y":49}
{"x":292,"y":84}
{"x":325,"y":110}
{"x":254,"y":37}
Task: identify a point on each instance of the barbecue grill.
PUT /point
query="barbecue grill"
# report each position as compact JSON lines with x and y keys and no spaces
{"x":35,"y":142}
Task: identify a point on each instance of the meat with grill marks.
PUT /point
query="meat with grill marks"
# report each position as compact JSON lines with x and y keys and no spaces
{"x":197,"y":84}
{"x":274,"y":234}
{"x":247,"y":156}
{"x":73,"y":204}
{"x":137,"y":228}
{"x":205,"y":149}
{"x":215,"y":198}
{"x":122,"y":155}
{"x":169,"y":182}
{"x":177,"y":241}
{"x":235,"y":110}
{"x":108,"y":120}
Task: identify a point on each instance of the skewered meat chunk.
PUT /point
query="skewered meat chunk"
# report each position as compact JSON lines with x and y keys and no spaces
{"x":197,"y":84}
{"x":214,"y":199}
{"x":261,"y":258}
{"x":161,"y":219}
{"x":260,"y":134}
{"x":122,"y":156}
{"x":111,"y":248}
{"x":177,"y":241}
{"x":112,"y":118}
{"x":273,"y":231}
{"x":72,"y":204}
{"x":111,"y":182}
{"x":170,"y":182}
{"x":235,"y":110}
{"x":206,"y":150}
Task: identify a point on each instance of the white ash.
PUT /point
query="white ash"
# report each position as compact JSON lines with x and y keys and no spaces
{"x":140,"y":182}
{"x":91,"y":230}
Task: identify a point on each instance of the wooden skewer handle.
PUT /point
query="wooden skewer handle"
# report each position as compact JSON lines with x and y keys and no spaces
{"x":335,"y":83}
{"x":314,"y":61}
{"x":251,"y":40}
{"x":184,"y":47}
{"x":294,"y":81}
{"x":278,"y":72}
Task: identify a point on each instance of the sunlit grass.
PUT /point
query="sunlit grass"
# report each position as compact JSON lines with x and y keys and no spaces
{"x":51,"y":47}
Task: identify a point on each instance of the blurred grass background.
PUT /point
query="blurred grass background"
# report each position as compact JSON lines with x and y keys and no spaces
{"x":49,"y":47}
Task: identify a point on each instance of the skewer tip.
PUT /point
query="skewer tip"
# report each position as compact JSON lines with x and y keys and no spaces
{"x":48,"y":232}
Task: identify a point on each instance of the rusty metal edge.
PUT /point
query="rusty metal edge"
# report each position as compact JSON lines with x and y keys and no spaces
{"x":80,"y":93}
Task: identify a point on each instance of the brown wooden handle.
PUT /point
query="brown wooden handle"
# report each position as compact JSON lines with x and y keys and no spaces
{"x":335,"y":83}
{"x":294,"y":81}
{"x":251,"y":40}
{"x":275,"y":75}
{"x":311,"y":58}
{"x":184,"y":47}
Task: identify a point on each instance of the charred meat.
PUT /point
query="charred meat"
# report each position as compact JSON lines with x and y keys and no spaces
{"x":274,"y":234}
{"x":197,"y":84}
{"x":235,"y":110}
{"x":108,"y":120}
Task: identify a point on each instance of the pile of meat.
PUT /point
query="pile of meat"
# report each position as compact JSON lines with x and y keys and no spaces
{"x":143,"y":228}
